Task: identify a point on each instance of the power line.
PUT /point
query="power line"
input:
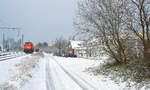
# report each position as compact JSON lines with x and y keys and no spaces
{"x":12,"y":28}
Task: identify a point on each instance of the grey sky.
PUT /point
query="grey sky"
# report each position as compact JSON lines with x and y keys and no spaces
{"x":40,"y":20}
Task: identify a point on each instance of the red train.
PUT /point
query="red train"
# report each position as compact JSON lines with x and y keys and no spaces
{"x":28,"y":47}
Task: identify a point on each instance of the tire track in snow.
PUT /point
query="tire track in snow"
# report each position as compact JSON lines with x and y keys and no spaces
{"x":85,"y":81}
{"x":49,"y":80}
{"x":85,"y":85}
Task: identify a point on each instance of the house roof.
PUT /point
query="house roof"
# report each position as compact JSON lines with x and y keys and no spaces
{"x":76,"y":44}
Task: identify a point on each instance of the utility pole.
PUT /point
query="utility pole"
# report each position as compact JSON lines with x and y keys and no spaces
{"x":3,"y":43}
{"x":22,"y":40}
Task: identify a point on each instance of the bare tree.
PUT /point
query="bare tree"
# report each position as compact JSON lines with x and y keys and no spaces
{"x":61,"y":45}
{"x":139,"y":23}
{"x":105,"y":18}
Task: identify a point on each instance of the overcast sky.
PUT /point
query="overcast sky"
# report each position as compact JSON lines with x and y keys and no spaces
{"x":40,"y":20}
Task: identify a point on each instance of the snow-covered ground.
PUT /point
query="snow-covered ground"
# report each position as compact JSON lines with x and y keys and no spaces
{"x":8,"y":68}
{"x":37,"y":72}
{"x":74,"y":69}
{"x":15,"y":73}
{"x":71,"y":74}
{"x":38,"y":80}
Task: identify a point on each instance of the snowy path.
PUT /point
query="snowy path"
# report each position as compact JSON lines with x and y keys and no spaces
{"x":69,"y":74}
{"x":60,"y":78}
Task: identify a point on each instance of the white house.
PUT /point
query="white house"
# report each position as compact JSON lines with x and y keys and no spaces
{"x":79,"y":48}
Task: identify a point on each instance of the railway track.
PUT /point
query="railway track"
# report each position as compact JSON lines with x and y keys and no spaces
{"x":9,"y":55}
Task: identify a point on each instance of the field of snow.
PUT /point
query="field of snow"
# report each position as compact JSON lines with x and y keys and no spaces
{"x":47,"y":72}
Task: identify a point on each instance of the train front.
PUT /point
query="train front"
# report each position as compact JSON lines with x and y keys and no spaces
{"x":28,"y":47}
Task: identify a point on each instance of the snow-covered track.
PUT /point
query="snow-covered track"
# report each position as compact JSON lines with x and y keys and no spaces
{"x":81,"y":82}
{"x":4,"y":53}
{"x":9,"y":55}
{"x":49,"y":82}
